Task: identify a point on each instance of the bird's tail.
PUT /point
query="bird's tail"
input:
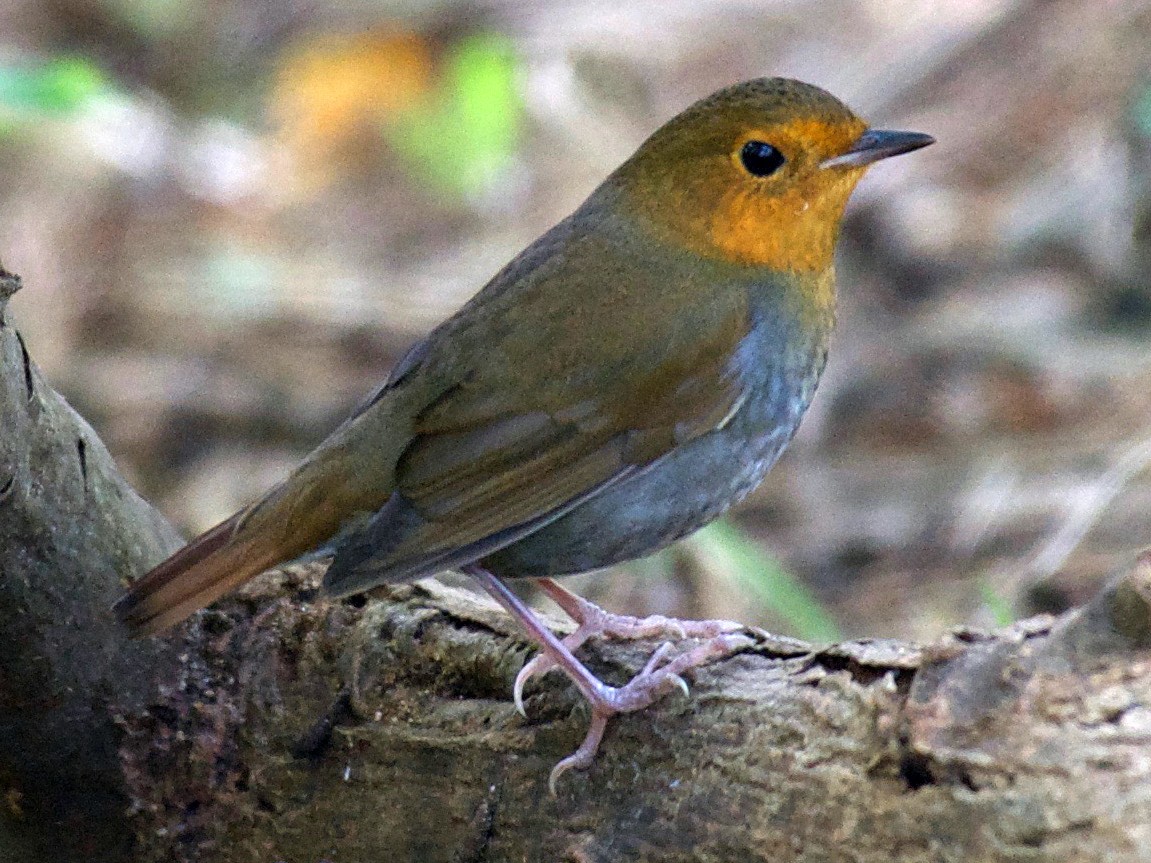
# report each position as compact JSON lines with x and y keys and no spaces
{"x":329,"y":492}
{"x":200,"y":573}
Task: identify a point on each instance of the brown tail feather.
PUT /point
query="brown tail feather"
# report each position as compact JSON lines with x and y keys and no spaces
{"x":328,"y":491}
{"x":197,"y":575}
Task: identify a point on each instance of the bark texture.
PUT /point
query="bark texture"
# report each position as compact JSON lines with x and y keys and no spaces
{"x":71,"y":532}
{"x":281,"y":727}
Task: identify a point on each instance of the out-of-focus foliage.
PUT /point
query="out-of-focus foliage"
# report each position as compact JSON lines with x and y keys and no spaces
{"x":331,"y":89}
{"x":233,"y":217}
{"x":997,"y":604}
{"x":57,"y":87}
{"x":451,"y":115}
{"x":463,"y":138}
{"x":728,"y":555}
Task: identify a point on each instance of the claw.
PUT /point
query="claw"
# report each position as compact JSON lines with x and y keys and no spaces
{"x":643,"y":689}
{"x":518,"y":695}
{"x":659,"y":676}
{"x":583,"y":757}
{"x":562,"y":767}
{"x":657,"y":657}
{"x":539,"y":665}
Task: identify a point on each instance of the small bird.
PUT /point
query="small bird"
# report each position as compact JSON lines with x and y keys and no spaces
{"x":623,"y":381}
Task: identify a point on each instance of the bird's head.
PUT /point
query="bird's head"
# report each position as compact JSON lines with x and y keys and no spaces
{"x":756,"y":174}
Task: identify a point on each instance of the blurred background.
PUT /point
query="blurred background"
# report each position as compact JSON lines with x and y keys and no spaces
{"x":232,"y":216}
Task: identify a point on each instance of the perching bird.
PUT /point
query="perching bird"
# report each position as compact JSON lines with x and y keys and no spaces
{"x":629,"y":376}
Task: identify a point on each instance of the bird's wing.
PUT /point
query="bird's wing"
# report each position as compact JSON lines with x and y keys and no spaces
{"x":479,"y":475}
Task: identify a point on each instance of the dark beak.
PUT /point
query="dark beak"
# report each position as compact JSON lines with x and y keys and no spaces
{"x":876,"y":144}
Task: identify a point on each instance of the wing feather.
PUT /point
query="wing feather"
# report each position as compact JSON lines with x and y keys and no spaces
{"x":476,"y":473}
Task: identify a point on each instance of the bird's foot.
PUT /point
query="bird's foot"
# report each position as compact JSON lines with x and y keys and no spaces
{"x":658,"y":677}
{"x":592,"y":620}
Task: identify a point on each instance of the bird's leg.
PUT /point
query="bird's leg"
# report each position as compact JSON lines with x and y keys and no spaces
{"x":657,"y":678}
{"x":591,"y":620}
{"x":598,"y":621}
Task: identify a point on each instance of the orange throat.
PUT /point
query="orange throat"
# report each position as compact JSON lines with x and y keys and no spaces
{"x":787,"y":233}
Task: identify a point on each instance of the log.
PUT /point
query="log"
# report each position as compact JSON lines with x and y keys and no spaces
{"x":281,"y":726}
{"x":71,"y":532}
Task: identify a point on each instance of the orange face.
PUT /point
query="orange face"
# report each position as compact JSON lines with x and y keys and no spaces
{"x":788,"y":220}
{"x":740,"y":177}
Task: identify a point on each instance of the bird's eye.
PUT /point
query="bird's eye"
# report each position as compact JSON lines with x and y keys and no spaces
{"x":760,"y":158}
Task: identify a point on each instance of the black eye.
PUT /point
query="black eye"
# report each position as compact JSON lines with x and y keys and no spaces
{"x":760,"y":158}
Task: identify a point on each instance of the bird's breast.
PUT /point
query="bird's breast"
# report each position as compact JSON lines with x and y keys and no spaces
{"x":778,"y":364}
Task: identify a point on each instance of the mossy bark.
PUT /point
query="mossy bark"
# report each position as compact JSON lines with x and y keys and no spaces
{"x":282,"y":727}
{"x":71,"y":532}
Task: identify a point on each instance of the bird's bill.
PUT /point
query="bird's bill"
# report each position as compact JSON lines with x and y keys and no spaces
{"x":876,"y":144}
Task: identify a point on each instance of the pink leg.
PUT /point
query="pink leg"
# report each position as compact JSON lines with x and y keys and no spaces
{"x":592,"y":620}
{"x":623,"y":626}
{"x":655,"y":680}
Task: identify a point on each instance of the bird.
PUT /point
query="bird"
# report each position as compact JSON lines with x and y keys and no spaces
{"x":619,"y":384}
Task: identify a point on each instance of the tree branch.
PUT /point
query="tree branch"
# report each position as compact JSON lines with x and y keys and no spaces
{"x":280,"y":726}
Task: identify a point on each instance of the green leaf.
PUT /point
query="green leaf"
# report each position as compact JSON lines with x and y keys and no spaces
{"x":998,"y":605}
{"x":463,"y":138}
{"x":61,"y":86}
{"x":724,"y":551}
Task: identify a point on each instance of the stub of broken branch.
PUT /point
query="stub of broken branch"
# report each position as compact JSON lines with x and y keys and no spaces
{"x":9,"y":284}
{"x":70,"y":530}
